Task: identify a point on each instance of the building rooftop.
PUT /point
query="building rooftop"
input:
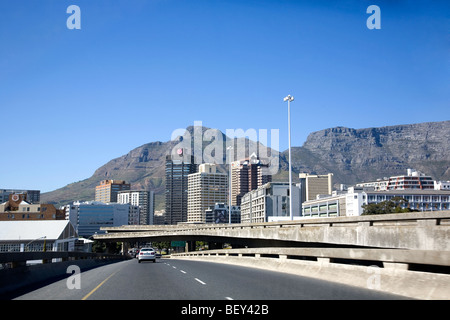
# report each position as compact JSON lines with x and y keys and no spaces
{"x":32,"y":230}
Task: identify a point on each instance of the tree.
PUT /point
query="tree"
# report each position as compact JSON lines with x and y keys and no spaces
{"x":395,"y":205}
{"x":106,"y":247}
{"x":161,"y":245}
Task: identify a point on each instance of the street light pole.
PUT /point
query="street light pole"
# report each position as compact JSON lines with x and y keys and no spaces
{"x":229,"y":188}
{"x":290,"y":98}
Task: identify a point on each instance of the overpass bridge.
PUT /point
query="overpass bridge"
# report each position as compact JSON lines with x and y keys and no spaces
{"x":409,"y":251}
{"x":413,"y":231}
{"x":403,"y":254}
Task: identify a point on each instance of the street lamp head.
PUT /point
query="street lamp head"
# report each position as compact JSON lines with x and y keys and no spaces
{"x":288,"y":98}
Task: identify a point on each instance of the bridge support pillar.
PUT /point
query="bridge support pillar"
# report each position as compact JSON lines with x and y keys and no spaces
{"x":396,"y":265}
{"x":190,"y":246}
{"x":125,"y":246}
{"x":323,"y":261}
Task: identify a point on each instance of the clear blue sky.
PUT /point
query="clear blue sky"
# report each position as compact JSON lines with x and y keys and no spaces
{"x":71,"y":100}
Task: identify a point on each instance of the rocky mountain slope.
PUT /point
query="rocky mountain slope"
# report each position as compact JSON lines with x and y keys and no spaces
{"x":353,"y":155}
{"x":356,"y":155}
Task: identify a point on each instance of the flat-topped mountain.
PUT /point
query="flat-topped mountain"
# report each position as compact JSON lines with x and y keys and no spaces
{"x":356,"y":155}
{"x":352,"y":155}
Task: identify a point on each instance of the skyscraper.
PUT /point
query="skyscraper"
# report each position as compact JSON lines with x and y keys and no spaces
{"x":246,"y":175}
{"x":205,"y":188}
{"x":143,"y":199}
{"x":176,"y":194}
{"x":107,"y":191}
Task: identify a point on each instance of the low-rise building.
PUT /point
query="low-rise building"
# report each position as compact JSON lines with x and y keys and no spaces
{"x":17,"y":208}
{"x":21,"y":236}
{"x":88,"y":217}
{"x":219,"y":214}
{"x":350,"y":203}
{"x":33,"y":196}
{"x":412,"y":180}
{"x":442,"y":185}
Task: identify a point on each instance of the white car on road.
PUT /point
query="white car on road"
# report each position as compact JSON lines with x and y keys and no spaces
{"x":147,"y":254}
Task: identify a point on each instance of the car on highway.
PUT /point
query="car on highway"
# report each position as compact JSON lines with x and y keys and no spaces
{"x":146,"y":254}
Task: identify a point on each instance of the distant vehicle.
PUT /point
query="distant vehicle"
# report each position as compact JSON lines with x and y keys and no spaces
{"x":147,"y":254}
{"x":133,"y":253}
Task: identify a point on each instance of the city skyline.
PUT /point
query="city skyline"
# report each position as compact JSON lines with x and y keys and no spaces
{"x":134,"y":73}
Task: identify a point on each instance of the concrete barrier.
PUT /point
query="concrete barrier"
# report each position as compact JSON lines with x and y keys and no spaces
{"x":22,"y":277}
{"x":414,"y":231}
{"x":393,"y":276}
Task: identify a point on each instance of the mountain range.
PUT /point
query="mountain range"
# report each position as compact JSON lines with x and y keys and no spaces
{"x":352,"y":155}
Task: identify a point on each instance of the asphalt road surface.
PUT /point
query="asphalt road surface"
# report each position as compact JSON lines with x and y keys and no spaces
{"x":171,"y":279}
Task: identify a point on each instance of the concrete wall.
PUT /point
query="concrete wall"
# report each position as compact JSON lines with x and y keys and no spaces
{"x":20,"y":278}
{"x":392,"y":276}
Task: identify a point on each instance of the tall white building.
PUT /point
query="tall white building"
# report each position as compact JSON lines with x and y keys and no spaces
{"x":205,"y":188}
{"x":145,"y":200}
{"x":270,"y":202}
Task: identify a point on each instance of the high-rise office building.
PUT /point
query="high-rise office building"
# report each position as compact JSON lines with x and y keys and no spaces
{"x":312,"y":185}
{"x":145,"y":200}
{"x":205,"y":188}
{"x":107,"y":191}
{"x":247,"y":175}
{"x":176,"y":193}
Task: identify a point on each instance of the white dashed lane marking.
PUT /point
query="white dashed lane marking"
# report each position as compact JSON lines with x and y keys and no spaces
{"x":200,"y":281}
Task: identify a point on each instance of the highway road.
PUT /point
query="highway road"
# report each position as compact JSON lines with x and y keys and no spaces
{"x":172,"y":279}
